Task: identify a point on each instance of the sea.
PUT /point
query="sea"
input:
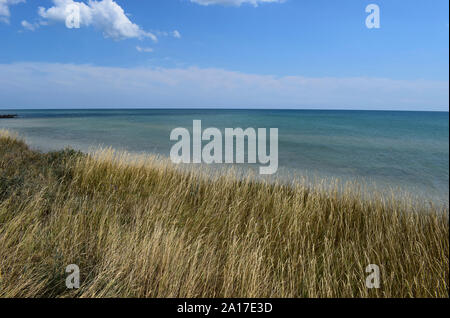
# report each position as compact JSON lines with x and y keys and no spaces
{"x":399,"y":151}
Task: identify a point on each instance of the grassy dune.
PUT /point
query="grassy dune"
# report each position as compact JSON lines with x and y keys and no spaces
{"x":142,"y":228}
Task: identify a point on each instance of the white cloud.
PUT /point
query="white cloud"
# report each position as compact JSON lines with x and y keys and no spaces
{"x":144,"y":49}
{"x":104,"y":15}
{"x":176,"y":34}
{"x":4,"y":9}
{"x":234,"y":2}
{"x":30,"y":26}
{"x":67,"y":85}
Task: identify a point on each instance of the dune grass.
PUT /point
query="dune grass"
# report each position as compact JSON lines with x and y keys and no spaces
{"x":142,"y":228}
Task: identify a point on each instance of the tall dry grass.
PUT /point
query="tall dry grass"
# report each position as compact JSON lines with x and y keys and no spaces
{"x":142,"y":228}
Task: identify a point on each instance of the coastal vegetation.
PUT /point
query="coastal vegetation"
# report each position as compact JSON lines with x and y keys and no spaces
{"x":137,"y":226}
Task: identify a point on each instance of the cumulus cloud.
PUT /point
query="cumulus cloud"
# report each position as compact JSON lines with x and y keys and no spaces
{"x":234,"y":2}
{"x":104,"y":15}
{"x":68,"y":85}
{"x":4,"y":9}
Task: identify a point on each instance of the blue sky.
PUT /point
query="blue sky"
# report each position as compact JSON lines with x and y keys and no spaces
{"x":262,"y":54}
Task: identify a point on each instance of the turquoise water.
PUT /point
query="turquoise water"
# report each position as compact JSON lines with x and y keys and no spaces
{"x":409,"y":150}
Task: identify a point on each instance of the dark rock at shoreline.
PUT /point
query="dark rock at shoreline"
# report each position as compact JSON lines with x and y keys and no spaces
{"x":7,"y":116}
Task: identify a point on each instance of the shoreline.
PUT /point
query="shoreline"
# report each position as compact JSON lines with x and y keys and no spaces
{"x":285,"y":175}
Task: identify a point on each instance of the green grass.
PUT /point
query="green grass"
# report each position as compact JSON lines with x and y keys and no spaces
{"x":140,"y":227}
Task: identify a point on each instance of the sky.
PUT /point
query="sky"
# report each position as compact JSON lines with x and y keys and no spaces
{"x":311,"y":54}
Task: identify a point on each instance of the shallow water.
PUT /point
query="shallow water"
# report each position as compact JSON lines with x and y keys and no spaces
{"x":406,"y":150}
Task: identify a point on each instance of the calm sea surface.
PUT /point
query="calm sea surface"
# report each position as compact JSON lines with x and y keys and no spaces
{"x":408,"y":150}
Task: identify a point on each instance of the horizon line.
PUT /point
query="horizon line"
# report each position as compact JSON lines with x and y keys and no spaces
{"x":222,"y":108}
